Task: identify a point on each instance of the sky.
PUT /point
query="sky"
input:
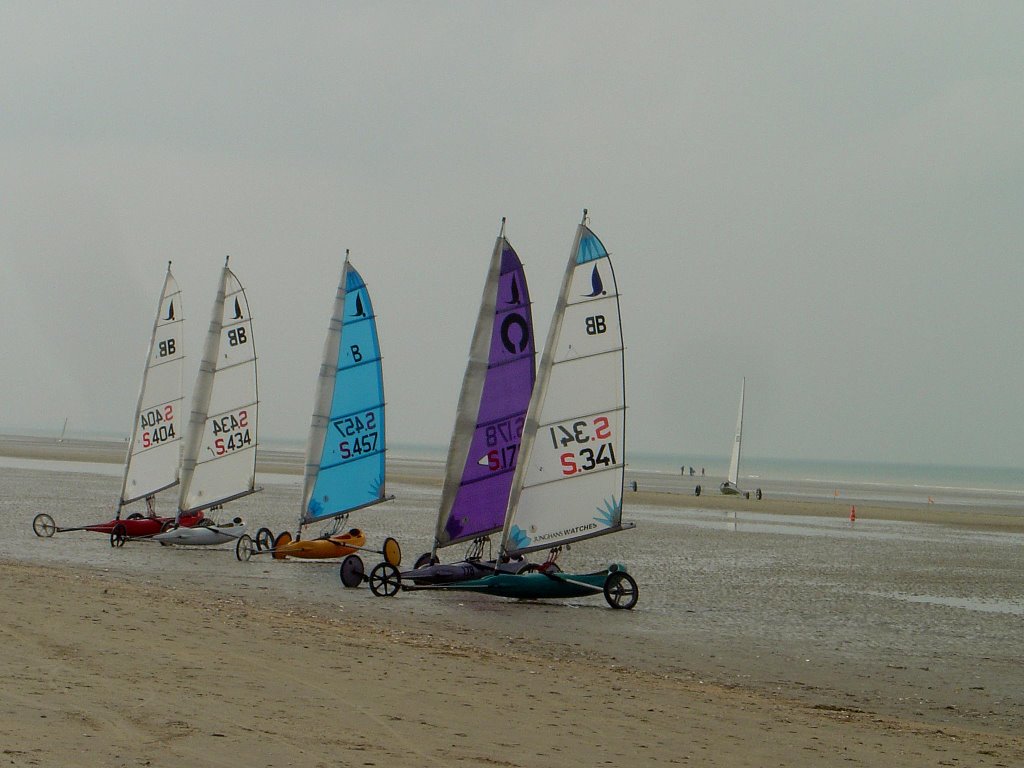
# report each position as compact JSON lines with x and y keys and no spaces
{"x":825,"y":198}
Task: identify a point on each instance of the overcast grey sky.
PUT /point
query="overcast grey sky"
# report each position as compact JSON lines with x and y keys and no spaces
{"x":824,"y":197}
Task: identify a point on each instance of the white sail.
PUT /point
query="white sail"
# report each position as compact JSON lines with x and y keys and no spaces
{"x":154,"y":450}
{"x":734,"y":461}
{"x":219,"y":462}
{"x":568,"y":483}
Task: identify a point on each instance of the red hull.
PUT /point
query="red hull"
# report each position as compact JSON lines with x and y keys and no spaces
{"x":143,"y":526}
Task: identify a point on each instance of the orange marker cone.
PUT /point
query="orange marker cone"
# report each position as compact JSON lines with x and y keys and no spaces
{"x":853,"y":514}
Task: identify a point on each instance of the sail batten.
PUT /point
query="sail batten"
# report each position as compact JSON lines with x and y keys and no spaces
{"x":485,"y":443}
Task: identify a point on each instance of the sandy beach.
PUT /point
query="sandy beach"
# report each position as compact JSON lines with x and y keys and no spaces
{"x":779,"y":640}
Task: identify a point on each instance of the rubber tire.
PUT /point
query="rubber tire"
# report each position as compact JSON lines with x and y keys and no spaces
{"x":118,"y":536}
{"x":614,"y":592}
{"x":392,"y":552}
{"x":696,"y":491}
{"x":385,"y":580}
{"x":244,"y":548}
{"x":135,"y":516}
{"x":352,"y":571}
{"x":757,"y":494}
{"x":264,"y":539}
{"x":43,"y":526}
{"x":167,"y":526}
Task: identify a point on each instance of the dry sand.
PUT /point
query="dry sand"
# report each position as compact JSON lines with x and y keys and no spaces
{"x":99,"y":673}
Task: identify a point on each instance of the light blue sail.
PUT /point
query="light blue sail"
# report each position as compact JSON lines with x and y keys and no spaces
{"x":349,"y":472}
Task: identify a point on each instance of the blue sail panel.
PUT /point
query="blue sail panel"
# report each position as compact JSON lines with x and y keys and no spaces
{"x":351,"y":473}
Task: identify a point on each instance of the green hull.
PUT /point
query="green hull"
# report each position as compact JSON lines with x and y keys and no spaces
{"x":537,"y":586}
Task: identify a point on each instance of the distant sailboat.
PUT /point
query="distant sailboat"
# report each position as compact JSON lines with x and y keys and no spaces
{"x":154,"y":449}
{"x":219,"y":460}
{"x":731,"y":486}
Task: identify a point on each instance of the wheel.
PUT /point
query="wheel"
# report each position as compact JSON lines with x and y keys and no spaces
{"x":424,"y":560}
{"x":283,"y":539}
{"x":43,"y":525}
{"x":696,"y":491}
{"x":119,"y":535}
{"x":245,"y":548}
{"x":385,"y":580}
{"x":392,"y":552}
{"x":135,"y":516}
{"x":167,"y":526}
{"x":746,"y":495}
{"x":620,"y":590}
{"x":264,"y":539}
{"x":352,"y":571}
{"x":757,"y":494}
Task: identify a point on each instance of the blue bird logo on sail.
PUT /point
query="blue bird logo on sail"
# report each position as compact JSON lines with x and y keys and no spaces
{"x":596,"y":284}
{"x":360,"y":312}
{"x":238,"y":310}
{"x":170,"y":311}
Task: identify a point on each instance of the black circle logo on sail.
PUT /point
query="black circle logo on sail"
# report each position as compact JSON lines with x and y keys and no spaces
{"x":515,"y":319}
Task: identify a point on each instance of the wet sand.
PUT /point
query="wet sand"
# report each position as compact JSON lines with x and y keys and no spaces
{"x":768,"y":634}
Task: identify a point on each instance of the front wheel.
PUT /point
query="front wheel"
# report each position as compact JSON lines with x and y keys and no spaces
{"x":621,"y":591}
{"x":352,"y":571}
{"x":757,"y":494}
{"x":264,"y":539}
{"x":696,"y":491}
{"x":119,"y":535}
{"x":385,"y":580}
{"x":245,"y":548}
{"x":43,"y":525}
{"x":392,"y":552}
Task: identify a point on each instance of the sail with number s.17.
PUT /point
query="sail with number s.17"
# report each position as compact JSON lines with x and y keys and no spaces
{"x":154,"y":447}
{"x":219,"y":460}
{"x":345,"y":451}
{"x":484,"y":447}
{"x":568,"y":482}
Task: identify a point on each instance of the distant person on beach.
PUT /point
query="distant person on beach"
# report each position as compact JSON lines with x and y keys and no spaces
{"x":702,"y":471}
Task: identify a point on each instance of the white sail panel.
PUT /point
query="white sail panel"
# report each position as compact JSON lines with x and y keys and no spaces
{"x":219,"y":463}
{"x":568,"y":484}
{"x":734,"y":460}
{"x":154,"y":451}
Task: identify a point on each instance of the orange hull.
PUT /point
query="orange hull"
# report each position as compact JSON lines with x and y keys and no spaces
{"x":339,"y":545}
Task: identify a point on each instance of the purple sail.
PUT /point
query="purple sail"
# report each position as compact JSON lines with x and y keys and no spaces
{"x":492,"y":406}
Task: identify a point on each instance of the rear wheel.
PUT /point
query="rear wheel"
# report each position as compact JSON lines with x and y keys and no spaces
{"x":135,"y":516}
{"x":43,"y":525}
{"x":757,"y":494}
{"x":696,"y":491}
{"x":264,"y":539}
{"x":245,"y":548}
{"x":119,"y":535}
{"x":352,"y":571}
{"x":620,"y":590}
{"x":385,"y":580}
